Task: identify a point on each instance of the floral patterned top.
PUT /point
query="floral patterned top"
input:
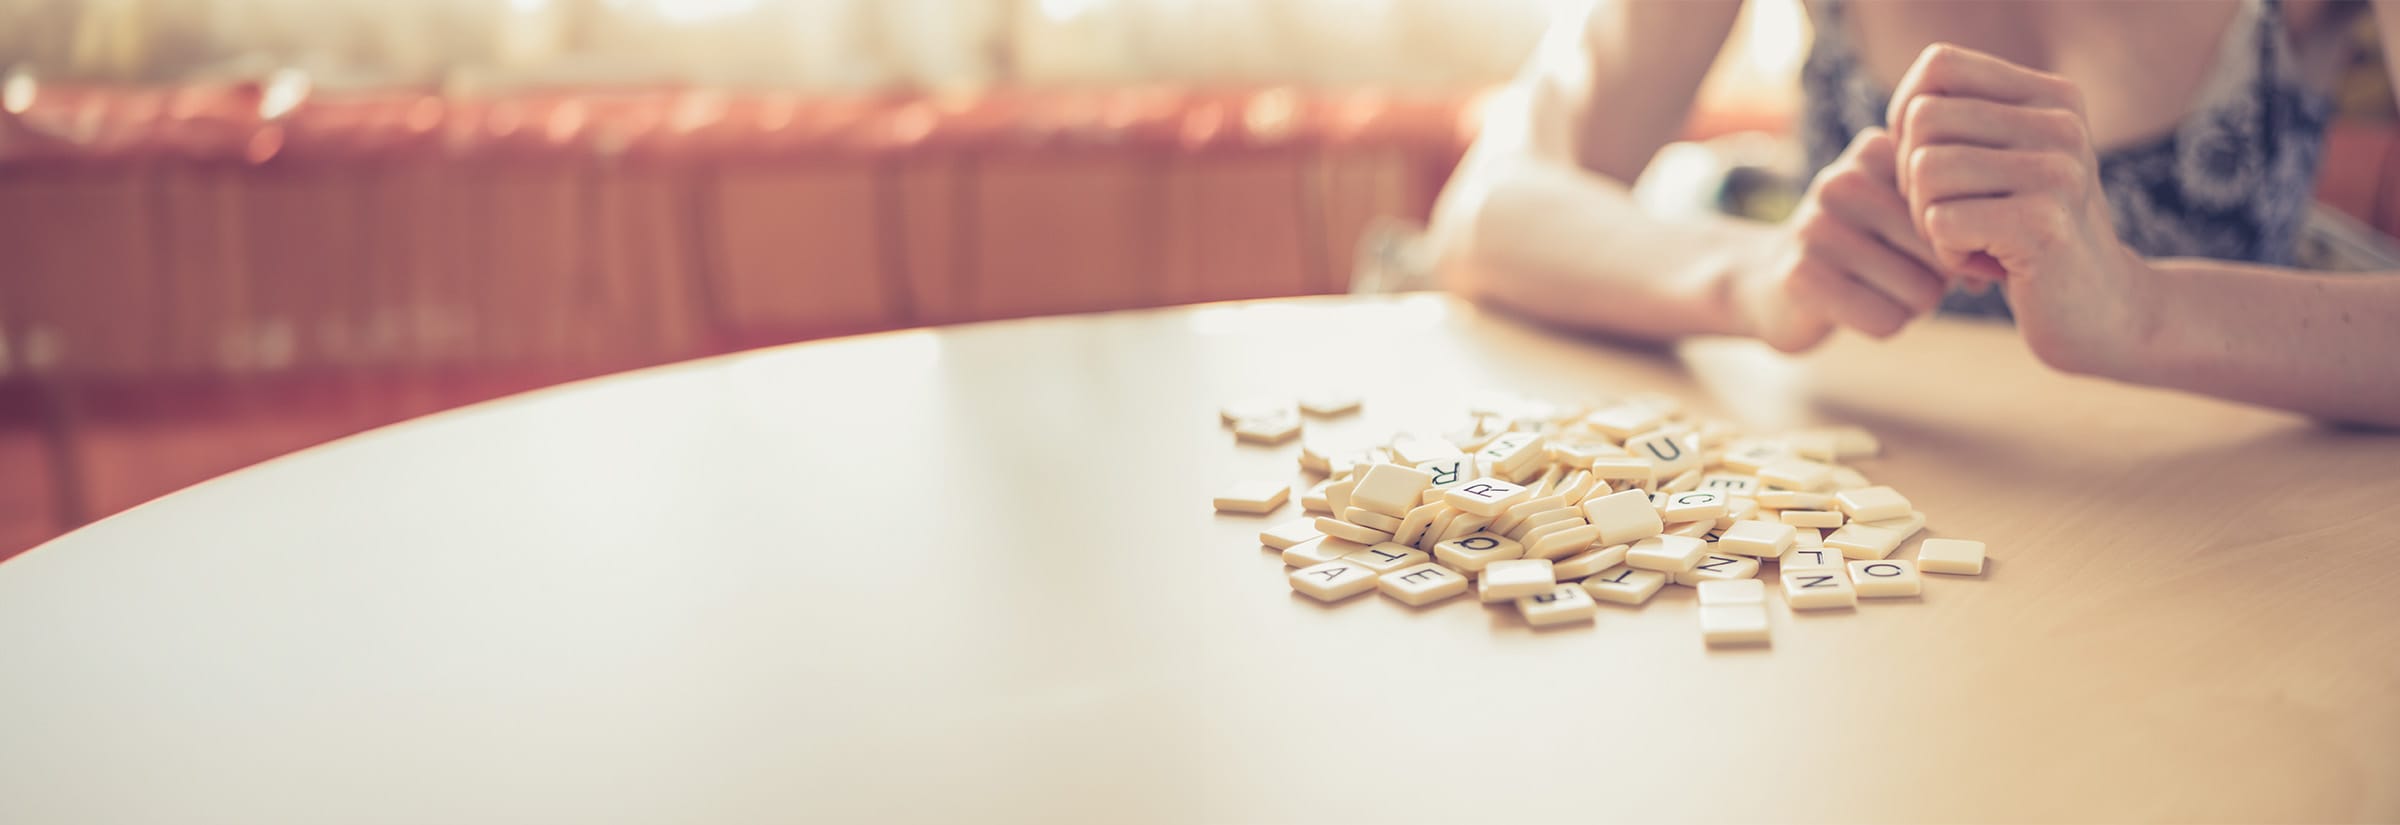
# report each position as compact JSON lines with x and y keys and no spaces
{"x":2232,"y":181}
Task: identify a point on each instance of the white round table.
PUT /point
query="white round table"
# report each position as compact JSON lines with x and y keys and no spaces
{"x":971,"y":575}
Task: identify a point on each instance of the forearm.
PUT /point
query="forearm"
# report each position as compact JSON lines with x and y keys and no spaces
{"x":1572,"y":248}
{"x":2324,"y":345}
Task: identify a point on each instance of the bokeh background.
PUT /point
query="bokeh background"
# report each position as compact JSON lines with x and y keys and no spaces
{"x":234,"y":228}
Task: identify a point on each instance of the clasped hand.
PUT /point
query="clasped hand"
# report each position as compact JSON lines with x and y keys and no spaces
{"x":1986,"y":178}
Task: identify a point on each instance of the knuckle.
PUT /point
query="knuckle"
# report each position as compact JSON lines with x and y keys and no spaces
{"x":1940,"y":222}
{"x":1871,"y":141}
{"x":2060,"y":127}
{"x":1816,"y":235}
{"x":2068,"y":93}
{"x":1846,"y":185}
{"x":1940,"y":56}
{"x":2058,"y":172}
{"x":1925,"y":163}
{"x":1926,"y":114}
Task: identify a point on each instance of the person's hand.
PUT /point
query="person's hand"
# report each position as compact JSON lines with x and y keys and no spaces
{"x":1997,"y":164}
{"x":1848,"y":256}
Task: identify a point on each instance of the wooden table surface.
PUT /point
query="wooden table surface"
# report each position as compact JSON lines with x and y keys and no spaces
{"x":971,"y":574}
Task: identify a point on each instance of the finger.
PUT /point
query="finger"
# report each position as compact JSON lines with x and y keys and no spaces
{"x":1933,"y":119}
{"x":1963,"y":229}
{"x":1834,"y":294}
{"x":1876,"y":154}
{"x":1949,"y":172}
{"x":1909,"y":282}
{"x":1862,"y":200}
{"x":1945,"y":69}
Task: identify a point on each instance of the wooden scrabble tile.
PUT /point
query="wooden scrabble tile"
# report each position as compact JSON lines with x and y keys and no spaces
{"x":1806,"y":555}
{"x":1872,"y":503}
{"x":1589,"y":562}
{"x":1796,"y":474}
{"x":1738,"y":508}
{"x":1468,"y":554}
{"x":1250,"y":408}
{"x":1818,"y":588}
{"x":1907,"y":526}
{"x":1319,"y":551}
{"x":1766,"y":539}
{"x":1956,"y":556}
{"x":1441,"y":524}
{"x":1794,"y":500}
{"x":1534,"y":533}
{"x":1733,"y":591}
{"x":1283,"y":536}
{"x":1817,"y":446}
{"x":1577,"y":485}
{"x":1730,"y":484}
{"x":1517,"y":513}
{"x":1666,"y":554}
{"x":1512,"y":452}
{"x":1886,"y":578}
{"x":1422,"y":584}
{"x":1413,"y":525}
{"x":1253,"y":497}
{"x":1669,"y":452}
{"x":1390,"y":489}
{"x":1328,"y":404}
{"x":1624,"y":585}
{"x":1536,"y":520}
{"x":1580,"y":454}
{"x":1687,"y":482}
{"x":1695,"y":529}
{"x":1353,"y":532}
{"x":1860,"y":540}
{"x":1733,"y":624}
{"x":1625,"y":421}
{"x":1623,"y":516}
{"x":1486,"y":496}
{"x":1332,"y":581}
{"x":1465,"y":524}
{"x":1414,"y":450}
{"x":1271,"y":430}
{"x":1622,"y":468}
{"x":1697,"y":505}
{"x":1574,"y":538}
{"x":1748,"y":455}
{"x":1446,"y":472}
{"x":1562,"y":604}
{"x":1525,"y":474}
{"x":1371,"y":520}
{"x":1337,"y":494}
{"x":1717,"y":566}
{"x":1507,"y":579}
{"x":1812,"y":518}
{"x":1387,"y":557}
{"x":1314,"y":500}
{"x":1854,"y":442}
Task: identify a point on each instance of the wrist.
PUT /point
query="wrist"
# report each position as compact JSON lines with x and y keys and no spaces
{"x":1737,"y":277}
{"x":2152,"y":347}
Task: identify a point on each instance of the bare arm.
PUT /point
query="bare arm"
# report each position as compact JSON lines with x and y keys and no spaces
{"x":1539,"y":218}
{"x":2003,"y":179}
{"x":2324,"y":345}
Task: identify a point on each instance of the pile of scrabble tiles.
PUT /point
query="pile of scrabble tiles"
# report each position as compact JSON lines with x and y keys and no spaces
{"x":1555,"y":509}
